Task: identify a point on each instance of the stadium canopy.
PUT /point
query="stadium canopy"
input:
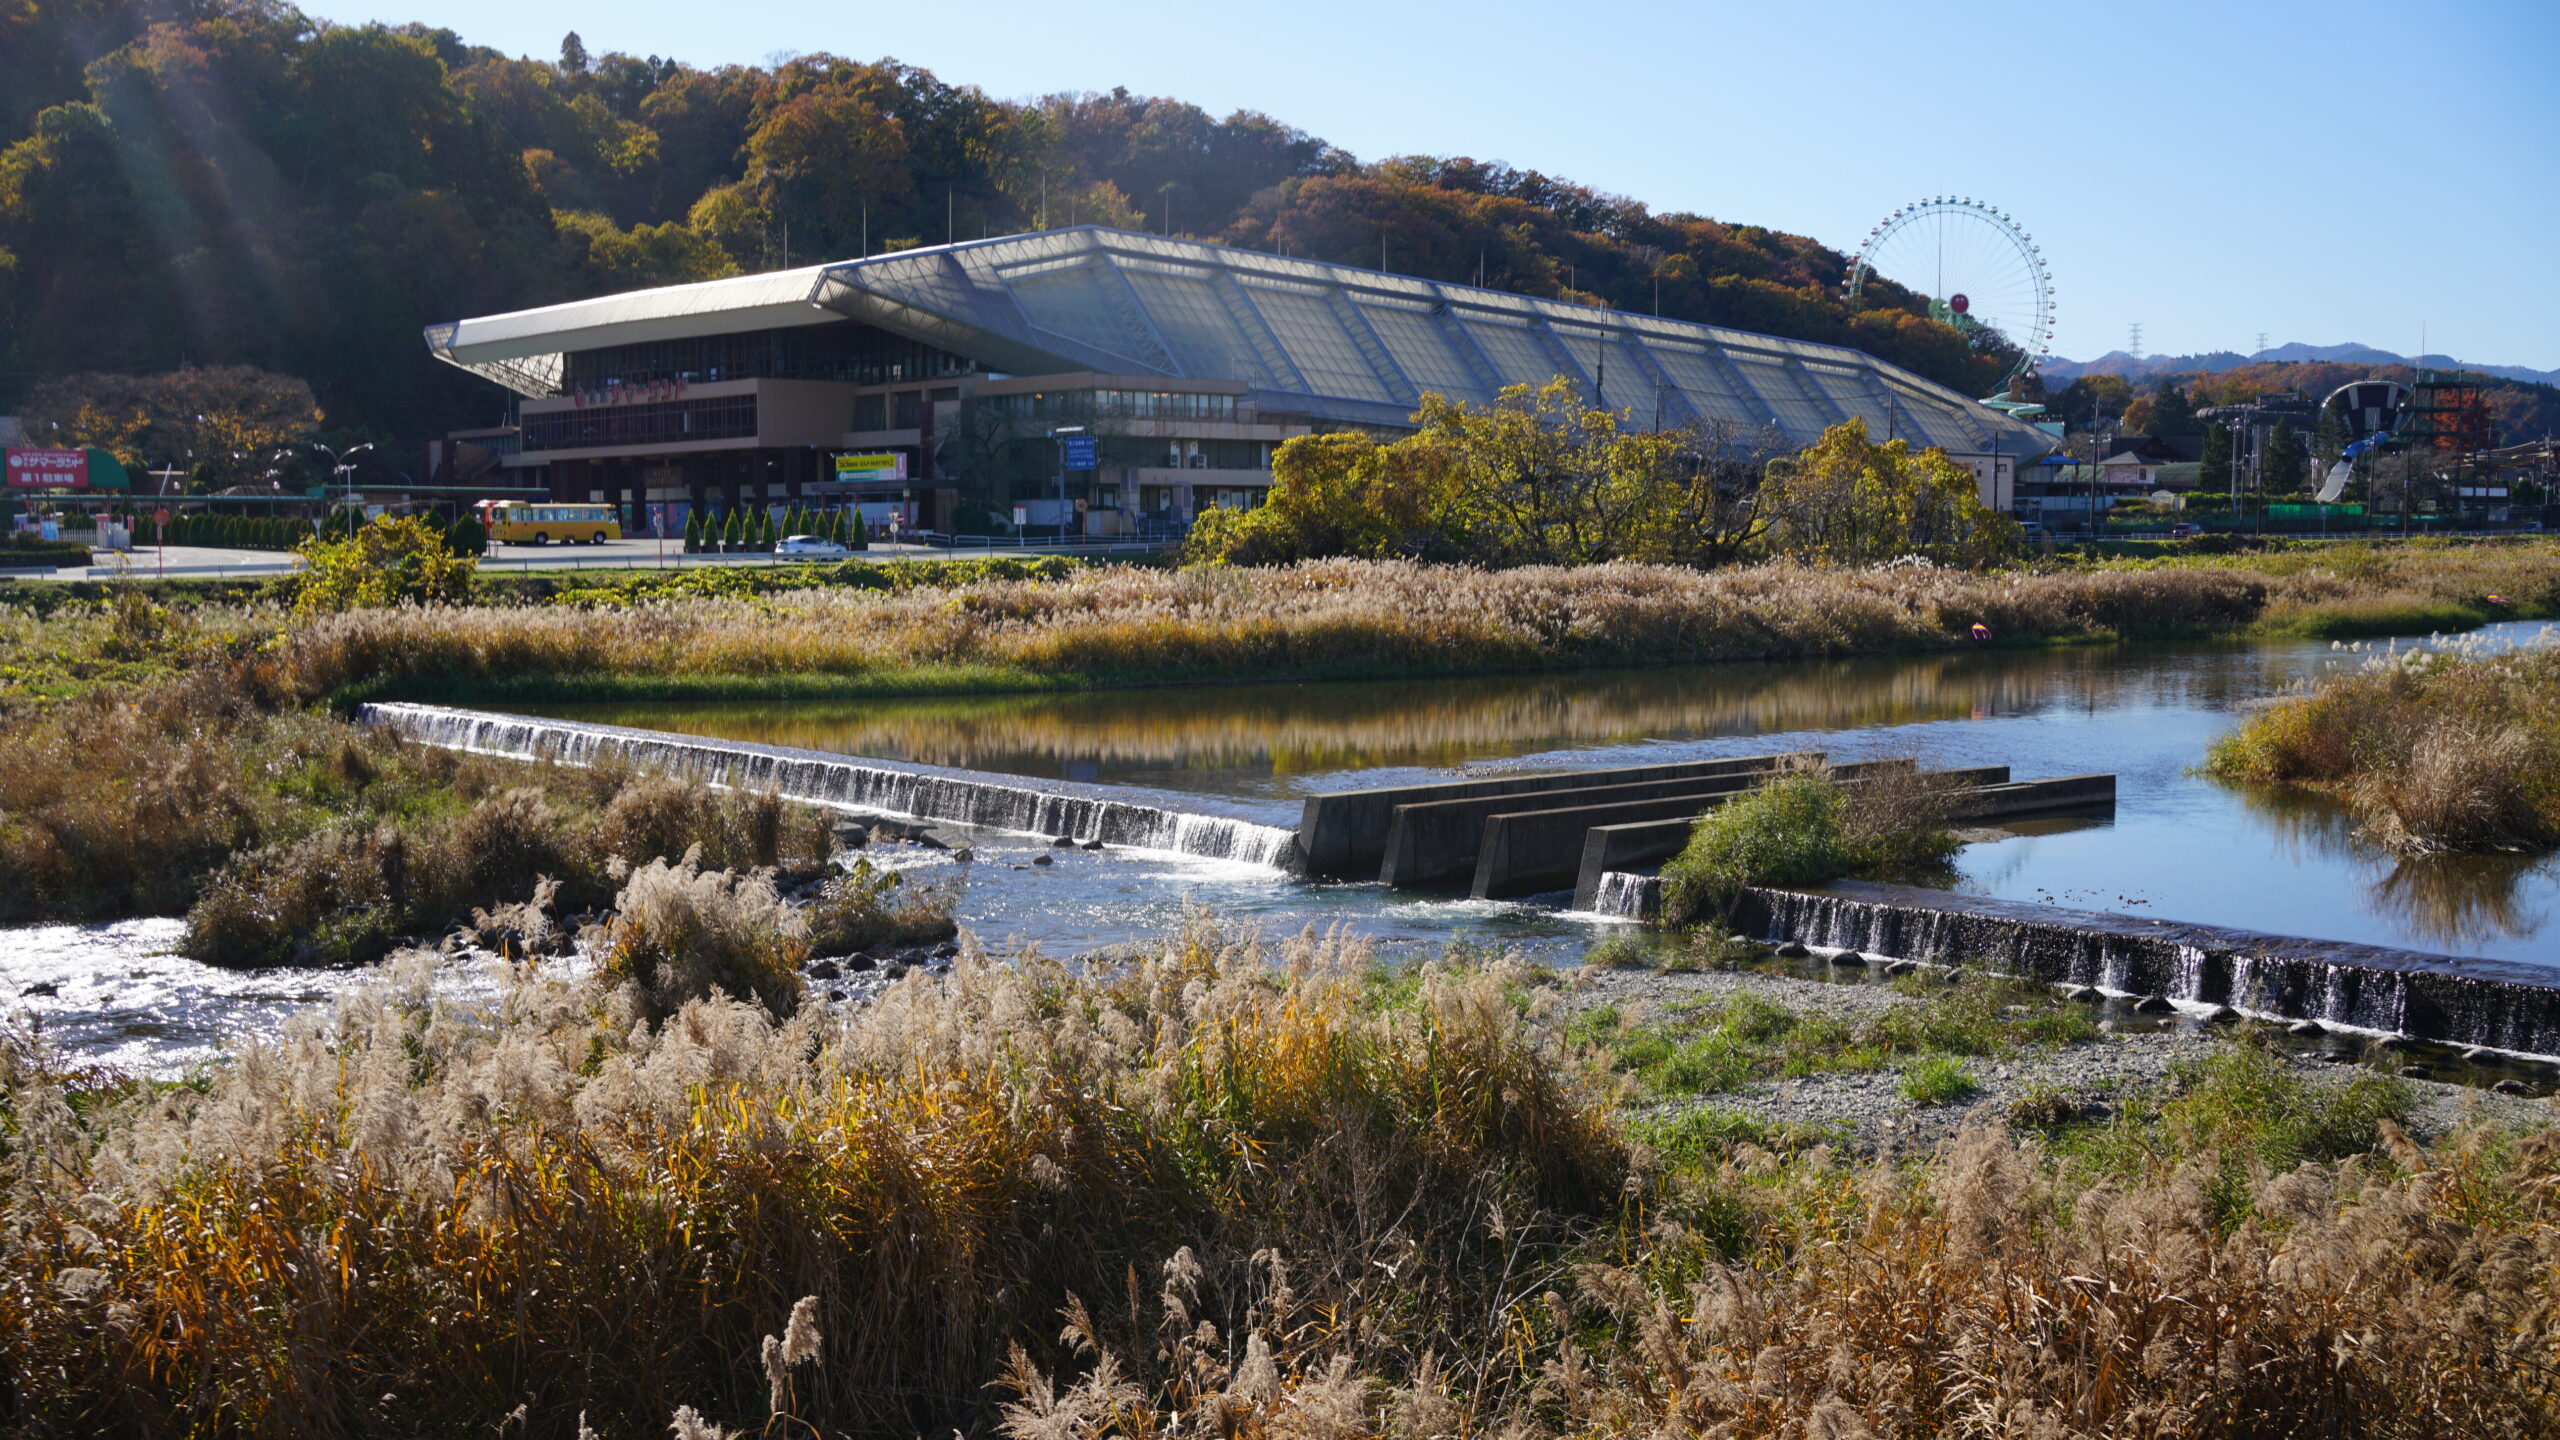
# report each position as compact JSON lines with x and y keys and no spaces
{"x":1334,"y":342}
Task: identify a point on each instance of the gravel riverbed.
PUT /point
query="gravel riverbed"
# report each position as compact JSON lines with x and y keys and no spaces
{"x":2134,"y":1051}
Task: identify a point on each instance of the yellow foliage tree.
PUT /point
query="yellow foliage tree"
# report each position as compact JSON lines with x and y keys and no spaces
{"x":1847,"y":500}
{"x":385,"y":562}
{"x":1540,"y":477}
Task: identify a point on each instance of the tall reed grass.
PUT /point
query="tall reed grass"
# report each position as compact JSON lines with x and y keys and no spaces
{"x":417,"y":1214}
{"x":2450,"y":749}
{"x":292,"y":837}
{"x":1215,"y":1188}
{"x":1332,"y":617}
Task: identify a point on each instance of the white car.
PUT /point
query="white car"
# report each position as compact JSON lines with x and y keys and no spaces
{"x":810,"y":547}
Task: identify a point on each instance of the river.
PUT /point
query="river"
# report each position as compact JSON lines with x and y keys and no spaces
{"x":2180,"y":846}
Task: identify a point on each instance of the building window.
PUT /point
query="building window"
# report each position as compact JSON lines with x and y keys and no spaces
{"x":1073,"y":405}
{"x":846,"y":351}
{"x":906,"y":410}
{"x":871,"y":412}
{"x":727,"y":417}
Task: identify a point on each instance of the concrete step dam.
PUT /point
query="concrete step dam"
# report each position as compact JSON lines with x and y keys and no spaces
{"x":2453,"y":1000}
{"x":1113,"y":815}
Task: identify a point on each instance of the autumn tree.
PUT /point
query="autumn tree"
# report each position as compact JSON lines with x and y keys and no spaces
{"x":224,"y":422}
{"x":1539,"y":477}
{"x":1847,"y":500}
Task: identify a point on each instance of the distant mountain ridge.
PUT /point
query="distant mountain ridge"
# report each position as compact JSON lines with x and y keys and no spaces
{"x":2058,"y":371}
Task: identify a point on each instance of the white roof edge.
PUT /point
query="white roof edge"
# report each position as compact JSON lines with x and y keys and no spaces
{"x":706,"y":307}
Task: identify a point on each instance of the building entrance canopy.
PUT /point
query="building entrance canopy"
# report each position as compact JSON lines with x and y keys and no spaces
{"x":1332,"y":342}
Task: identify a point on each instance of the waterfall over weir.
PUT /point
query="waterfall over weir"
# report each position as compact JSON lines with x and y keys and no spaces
{"x":2495,"y":1004}
{"x":884,"y":787}
{"x":2491,"y":1003}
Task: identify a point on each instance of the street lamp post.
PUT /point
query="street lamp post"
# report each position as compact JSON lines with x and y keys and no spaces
{"x":342,"y":465}
{"x":1061,"y":434}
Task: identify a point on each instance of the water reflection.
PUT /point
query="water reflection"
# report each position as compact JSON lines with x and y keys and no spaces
{"x":2456,"y":902}
{"x":1269,"y":739}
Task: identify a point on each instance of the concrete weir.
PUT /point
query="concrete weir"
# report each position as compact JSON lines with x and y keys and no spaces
{"x":1347,"y":835}
{"x":1608,"y":850}
{"x":885,"y":787}
{"x":2453,"y":1000}
{"x":1538,"y":850}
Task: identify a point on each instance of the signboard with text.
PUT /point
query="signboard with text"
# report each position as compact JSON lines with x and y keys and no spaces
{"x":1080,"y":453}
{"x":48,"y":470}
{"x":886,"y":466}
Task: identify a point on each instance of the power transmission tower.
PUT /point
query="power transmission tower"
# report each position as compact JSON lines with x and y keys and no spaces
{"x":2136,"y":346}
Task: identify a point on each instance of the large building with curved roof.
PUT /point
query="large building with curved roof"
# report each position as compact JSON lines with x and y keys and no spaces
{"x":939,"y":379}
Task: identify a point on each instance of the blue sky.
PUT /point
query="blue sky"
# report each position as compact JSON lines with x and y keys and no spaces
{"x":2317,"y":172}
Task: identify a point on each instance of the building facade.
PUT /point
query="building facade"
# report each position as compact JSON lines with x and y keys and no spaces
{"x":1097,"y":380}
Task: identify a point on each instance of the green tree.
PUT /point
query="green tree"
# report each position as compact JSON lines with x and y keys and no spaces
{"x":2085,"y":400}
{"x":693,"y":532}
{"x":2173,"y":415}
{"x":467,"y":537}
{"x":2214,"y":477}
{"x":733,"y":533}
{"x":2288,"y":462}
{"x":386,"y":562}
{"x":2331,"y":436}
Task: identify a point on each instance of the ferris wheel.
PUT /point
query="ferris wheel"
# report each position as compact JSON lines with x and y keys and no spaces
{"x":1983,"y":274}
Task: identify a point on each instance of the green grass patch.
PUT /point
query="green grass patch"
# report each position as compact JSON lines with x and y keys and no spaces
{"x":2244,"y":1113}
{"x":1936,"y":1080}
{"x":1705,"y":1047}
{"x":2364,"y":619}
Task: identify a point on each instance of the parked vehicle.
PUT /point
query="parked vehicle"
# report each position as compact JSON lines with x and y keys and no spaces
{"x":809,"y":547}
{"x":2181,"y":531}
{"x":514,"y":522}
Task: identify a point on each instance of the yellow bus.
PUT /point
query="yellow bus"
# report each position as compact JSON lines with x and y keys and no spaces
{"x":517,"y":522}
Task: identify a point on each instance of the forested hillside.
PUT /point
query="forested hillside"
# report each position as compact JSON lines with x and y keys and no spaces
{"x":231,"y":182}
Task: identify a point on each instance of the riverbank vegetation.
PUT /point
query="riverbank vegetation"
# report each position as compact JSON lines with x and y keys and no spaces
{"x":1545,"y":477}
{"x":979,"y":627}
{"x":1808,"y":828}
{"x":287,"y":836}
{"x":1303,"y":1199}
{"x":2451,"y":749}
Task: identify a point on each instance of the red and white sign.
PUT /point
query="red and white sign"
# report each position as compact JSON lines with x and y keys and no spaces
{"x":48,"y":469}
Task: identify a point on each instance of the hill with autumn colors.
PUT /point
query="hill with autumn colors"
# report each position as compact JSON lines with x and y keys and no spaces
{"x":216,"y":182}
{"x":2523,"y":410}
